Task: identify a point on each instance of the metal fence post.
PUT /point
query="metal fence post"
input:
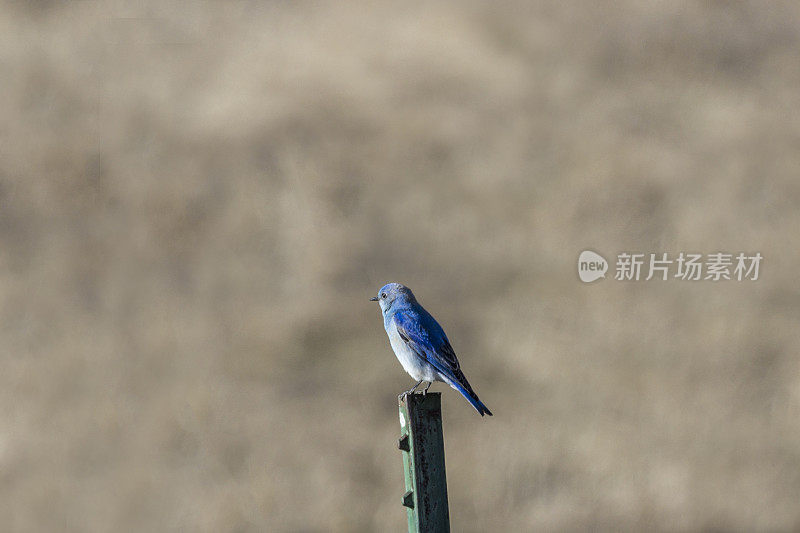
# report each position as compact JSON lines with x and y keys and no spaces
{"x":422,"y":444}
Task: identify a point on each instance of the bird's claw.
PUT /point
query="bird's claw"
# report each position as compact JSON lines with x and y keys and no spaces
{"x":409,"y":391}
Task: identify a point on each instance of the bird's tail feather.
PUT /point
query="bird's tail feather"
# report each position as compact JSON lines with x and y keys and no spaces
{"x":470,"y":395}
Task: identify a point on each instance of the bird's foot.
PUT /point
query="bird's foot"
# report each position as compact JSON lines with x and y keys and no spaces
{"x":403,"y":395}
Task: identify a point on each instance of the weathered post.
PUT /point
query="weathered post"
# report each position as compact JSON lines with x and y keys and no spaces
{"x":422,"y":444}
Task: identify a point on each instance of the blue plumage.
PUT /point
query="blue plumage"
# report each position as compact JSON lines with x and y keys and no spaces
{"x":420,"y":343}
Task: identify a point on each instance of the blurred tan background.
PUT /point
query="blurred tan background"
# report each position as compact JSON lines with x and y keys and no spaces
{"x":198,"y":198}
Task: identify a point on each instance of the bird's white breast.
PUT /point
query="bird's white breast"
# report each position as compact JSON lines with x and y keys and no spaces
{"x":411,"y":362}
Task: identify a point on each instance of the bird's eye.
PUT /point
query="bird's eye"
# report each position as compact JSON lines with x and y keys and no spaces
{"x":383,"y":295}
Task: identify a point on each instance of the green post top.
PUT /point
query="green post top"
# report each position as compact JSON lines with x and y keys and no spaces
{"x":422,"y":445}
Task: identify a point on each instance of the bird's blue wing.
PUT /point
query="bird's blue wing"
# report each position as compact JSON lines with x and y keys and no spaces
{"x":426,"y":337}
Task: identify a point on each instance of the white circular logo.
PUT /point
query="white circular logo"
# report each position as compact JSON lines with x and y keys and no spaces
{"x":591,"y":266}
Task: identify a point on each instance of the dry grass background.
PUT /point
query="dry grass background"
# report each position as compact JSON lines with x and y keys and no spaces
{"x":197,"y":199}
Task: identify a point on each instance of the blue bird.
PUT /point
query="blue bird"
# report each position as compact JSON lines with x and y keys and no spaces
{"x":420,"y":344}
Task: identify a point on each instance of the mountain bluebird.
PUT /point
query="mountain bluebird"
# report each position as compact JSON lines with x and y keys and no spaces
{"x":420,"y":344}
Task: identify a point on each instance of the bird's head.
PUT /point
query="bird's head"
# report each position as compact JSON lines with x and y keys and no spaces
{"x":392,"y":292}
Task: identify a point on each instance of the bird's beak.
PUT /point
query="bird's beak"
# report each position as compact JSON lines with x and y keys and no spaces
{"x":373,"y":299}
